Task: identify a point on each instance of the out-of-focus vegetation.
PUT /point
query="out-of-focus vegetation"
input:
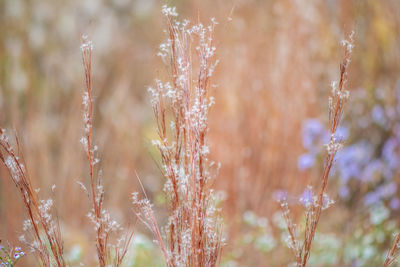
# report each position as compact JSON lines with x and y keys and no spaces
{"x":267,"y":128}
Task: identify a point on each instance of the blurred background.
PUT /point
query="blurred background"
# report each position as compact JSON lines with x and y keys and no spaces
{"x":267,"y":129}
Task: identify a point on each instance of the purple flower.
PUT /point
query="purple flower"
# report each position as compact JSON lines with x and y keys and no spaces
{"x":390,"y":153}
{"x":398,"y":95}
{"x":397,"y":131}
{"x":395,"y":203}
{"x":305,"y":161}
{"x":351,"y":160}
{"x":307,"y":197}
{"x":343,"y":192}
{"x":371,"y":198}
{"x":372,"y":171}
{"x":313,"y":133}
{"x":342,"y":133}
{"x":387,"y":190}
{"x":383,"y":192}
{"x":378,"y":115}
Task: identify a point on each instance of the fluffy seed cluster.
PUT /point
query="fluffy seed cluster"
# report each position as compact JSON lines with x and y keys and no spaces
{"x":192,"y":236}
